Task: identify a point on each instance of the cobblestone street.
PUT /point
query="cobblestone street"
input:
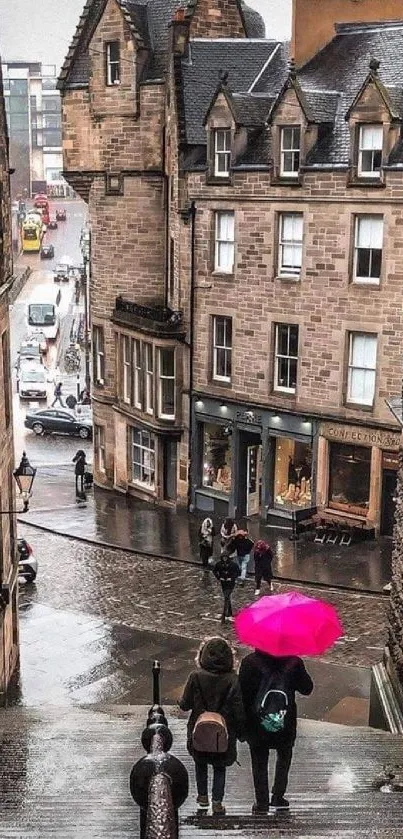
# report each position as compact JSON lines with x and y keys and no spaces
{"x":97,"y":617}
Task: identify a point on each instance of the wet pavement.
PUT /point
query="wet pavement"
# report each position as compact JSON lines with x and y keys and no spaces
{"x":66,"y":775}
{"x":111,"y":519}
{"x":97,"y":617}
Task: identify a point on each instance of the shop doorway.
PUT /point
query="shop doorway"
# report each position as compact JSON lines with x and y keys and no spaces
{"x":389,"y":480}
{"x":253,"y":480}
{"x":170,"y":469}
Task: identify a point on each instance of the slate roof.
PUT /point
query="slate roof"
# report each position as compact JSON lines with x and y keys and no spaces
{"x":251,"y":109}
{"x":150,"y":19}
{"x":201,"y":74}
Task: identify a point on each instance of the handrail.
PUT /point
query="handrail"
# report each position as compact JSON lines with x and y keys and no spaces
{"x":159,"y":783}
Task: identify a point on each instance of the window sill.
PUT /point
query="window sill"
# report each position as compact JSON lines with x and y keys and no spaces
{"x":375,"y":183}
{"x":221,"y":383}
{"x":289,"y":394}
{"x":356,"y":406}
{"x":286,"y":180}
{"x":219,"y":180}
{"x":373,"y":283}
{"x":144,"y":487}
{"x":215,"y":492}
{"x":288,"y":278}
{"x":224,"y":274}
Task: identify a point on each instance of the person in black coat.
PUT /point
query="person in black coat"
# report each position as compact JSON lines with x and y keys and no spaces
{"x":290,"y":671}
{"x":263,"y":557}
{"x":226,"y":571}
{"x":214,"y":686}
{"x":79,"y":470}
{"x":241,"y":544}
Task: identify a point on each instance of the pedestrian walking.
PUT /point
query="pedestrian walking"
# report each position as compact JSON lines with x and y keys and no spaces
{"x":80,"y":468}
{"x":206,"y":541}
{"x":226,"y":571}
{"x":217,"y":719}
{"x":268,"y":686}
{"x":228,"y":530}
{"x":58,"y":395}
{"x":241,"y":544}
{"x":263,"y":557}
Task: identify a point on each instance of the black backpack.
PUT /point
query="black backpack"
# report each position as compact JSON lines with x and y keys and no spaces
{"x":273,"y":700}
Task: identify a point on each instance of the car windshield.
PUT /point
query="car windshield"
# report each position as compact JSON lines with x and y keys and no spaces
{"x":29,"y":352}
{"x":33,"y":376}
{"x":41,"y":314}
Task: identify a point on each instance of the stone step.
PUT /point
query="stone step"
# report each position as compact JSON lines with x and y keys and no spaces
{"x":64,"y":773}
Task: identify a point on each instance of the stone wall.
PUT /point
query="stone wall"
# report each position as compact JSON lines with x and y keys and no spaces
{"x":395,"y":635}
{"x":217,"y":19}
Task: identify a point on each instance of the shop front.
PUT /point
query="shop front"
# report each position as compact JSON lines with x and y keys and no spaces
{"x":252,"y":462}
{"x":357,"y":469}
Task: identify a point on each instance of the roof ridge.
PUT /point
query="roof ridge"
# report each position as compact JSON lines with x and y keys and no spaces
{"x":370,"y":26}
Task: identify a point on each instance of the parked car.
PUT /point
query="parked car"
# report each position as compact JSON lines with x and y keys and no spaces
{"x":32,"y":382}
{"x":29,"y":351}
{"x":47,"y":252}
{"x":59,"y":421}
{"x":61,"y":272}
{"x":39,"y":337}
{"x":52,"y":224}
{"x":27,"y":564}
{"x":61,"y":214}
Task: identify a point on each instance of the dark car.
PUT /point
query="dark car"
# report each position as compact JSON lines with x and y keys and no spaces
{"x":61,"y":214}
{"x":47,"y":252}
{"x":52,"y":224}
{"x":59,"y":421}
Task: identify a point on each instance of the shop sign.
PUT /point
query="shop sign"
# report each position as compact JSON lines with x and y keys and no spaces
{"x":249,"y":417}
{"x":356,"y":435}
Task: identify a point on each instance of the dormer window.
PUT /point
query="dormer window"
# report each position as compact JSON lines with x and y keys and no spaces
{"x":112,"y":63}
{"x":222,"y":152}
{"x":370,"y":146}
{"x":290,"y":151}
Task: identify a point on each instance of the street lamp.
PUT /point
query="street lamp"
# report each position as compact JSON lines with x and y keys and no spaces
{"x":24,"y":476}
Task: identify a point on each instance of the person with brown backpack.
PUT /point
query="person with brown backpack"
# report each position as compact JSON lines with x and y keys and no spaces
{"x":217,"y":719}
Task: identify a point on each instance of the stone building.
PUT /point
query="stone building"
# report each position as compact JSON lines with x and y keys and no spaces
{"x":246,"y":214}
{"x":8,"y":565}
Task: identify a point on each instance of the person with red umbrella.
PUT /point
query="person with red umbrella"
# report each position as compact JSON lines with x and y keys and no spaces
{"x":281,"y":628}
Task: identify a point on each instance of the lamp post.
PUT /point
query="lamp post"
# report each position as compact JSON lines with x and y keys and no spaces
{"x":24,"y":476}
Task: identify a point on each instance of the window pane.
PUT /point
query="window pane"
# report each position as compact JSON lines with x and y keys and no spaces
{"x":371,"y":137}
{"x":293,"y":341}
{"x":376,"y":264}
{"x":350,"y":469}
{"x":167,"y":362}
{"x":168,"y":397}
{"x":216,"y":458}
{"x":363,"y":263}
{"x":282,"y":339}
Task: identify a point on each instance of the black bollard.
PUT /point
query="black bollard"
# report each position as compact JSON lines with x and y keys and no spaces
{"x":159,"y":782}
{"x":156,"y":683}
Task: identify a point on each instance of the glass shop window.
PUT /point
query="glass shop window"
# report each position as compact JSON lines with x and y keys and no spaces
{"x":217,"y":458}
{"x":349,"y":473}
{"x":292,"y":474}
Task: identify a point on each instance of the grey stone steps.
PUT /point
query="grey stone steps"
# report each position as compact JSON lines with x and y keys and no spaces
{"x":64,"y":773}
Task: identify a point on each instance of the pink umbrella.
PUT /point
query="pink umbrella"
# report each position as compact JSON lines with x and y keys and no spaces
{"x":289,"y":624}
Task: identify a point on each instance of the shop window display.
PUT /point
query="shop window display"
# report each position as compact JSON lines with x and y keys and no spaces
{"x":292,"y":474}
{"x":216,"y":458}
{"x":349,"y":478}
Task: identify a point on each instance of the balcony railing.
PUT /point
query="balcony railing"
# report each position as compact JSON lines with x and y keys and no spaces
{"x":156,"y":318}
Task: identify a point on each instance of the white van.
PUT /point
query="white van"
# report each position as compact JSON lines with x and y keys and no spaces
{"x":43,"y":311}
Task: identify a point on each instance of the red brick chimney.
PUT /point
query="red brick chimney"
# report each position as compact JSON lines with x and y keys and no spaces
{"x":314,"y":21}
{"x":216,"y":19}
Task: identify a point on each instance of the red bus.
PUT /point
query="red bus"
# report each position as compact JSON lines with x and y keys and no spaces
{"x":41,"y":202}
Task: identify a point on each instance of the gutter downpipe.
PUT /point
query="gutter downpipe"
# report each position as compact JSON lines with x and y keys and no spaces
{"x":192,"y":218}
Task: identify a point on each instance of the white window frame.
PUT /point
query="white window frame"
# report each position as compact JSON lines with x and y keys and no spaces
{"x":112,"y":64}
{"x":148,"y":456}
{"x":277,"y":356}
{"x":162,"y":377}
{"x":226,"y":347}
{"x":222,"y":154}
{"x":137,"y":371}
{"x":100,"y":448}
{"x":224,"y":238}
{"x":99,"y":354}
{"x":149,"y":378}
{"x":364,"y":368}
{"x":296,"y":245}
{"x":294,"y":150}
{"x":126,"y":369}
{"x":373,"y":236}
{"x":373,"y":147}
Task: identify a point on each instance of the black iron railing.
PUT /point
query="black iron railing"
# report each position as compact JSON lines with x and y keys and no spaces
{"x":159,"y":782}
{"x":157,"y":314}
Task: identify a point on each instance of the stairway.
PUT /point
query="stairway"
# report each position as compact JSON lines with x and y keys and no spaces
{"x":64,"y":773}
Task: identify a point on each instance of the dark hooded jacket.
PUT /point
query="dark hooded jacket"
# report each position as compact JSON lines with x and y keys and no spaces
{"x":251,"y":673}
{"x":215,"y":687}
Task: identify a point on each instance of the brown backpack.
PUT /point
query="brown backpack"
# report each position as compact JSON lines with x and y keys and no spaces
{"x":210,"y":734}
